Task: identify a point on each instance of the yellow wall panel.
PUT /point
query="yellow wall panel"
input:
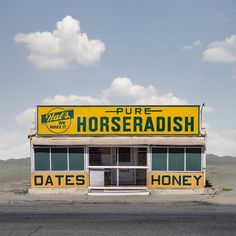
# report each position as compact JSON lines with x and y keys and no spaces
{"x":59,"y":179}
{"x":173,"y":180}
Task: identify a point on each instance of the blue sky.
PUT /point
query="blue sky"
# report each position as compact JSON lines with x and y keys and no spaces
{"x":169,"y":52}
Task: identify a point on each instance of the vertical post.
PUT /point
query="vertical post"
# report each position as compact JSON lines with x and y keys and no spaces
{"x":167,"y":159}
{"x":149,"y":158}
{"x":203,"y":162}
{"x":32,"y":157}
{"x":149,"y":162}
{"x":185,"y":154}
{"x":86,"y":158}
{"x":117,"y":164}
{"x":50,"y":158}
{"x":203,"y":105}
{"x":67,"y":156}
{"x":134,"y":161}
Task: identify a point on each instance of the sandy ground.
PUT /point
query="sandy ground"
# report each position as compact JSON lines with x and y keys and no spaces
{"x":221,"y":173}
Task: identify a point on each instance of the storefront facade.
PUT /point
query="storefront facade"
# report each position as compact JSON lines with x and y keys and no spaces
{"x":93,"y":148}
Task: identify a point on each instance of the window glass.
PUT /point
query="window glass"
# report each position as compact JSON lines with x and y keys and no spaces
{"x":142,"y":156}
{"x":59,"y":158}
{"x":95,"y":156}
{"x":76,"y":158}
{"x":41,"y":159}
{"x":176,"y":159}
{"x":124,"y":155}
{"x":159,"y":158}
{"x":141,"y":177}
{"x":193,"y":159}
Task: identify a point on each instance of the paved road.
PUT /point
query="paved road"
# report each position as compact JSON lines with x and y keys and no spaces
{"x":117,"y":219}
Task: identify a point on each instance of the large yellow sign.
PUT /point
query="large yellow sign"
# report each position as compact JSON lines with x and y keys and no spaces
{"x":118,"y":120}
{"x":59,"y":180}
{"x":172,"y":180}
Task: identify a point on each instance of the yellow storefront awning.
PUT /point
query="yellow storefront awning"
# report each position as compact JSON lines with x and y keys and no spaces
{"x":117,"y":141}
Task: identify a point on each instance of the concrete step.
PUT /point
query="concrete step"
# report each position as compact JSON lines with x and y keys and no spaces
{"x":119,"y":193}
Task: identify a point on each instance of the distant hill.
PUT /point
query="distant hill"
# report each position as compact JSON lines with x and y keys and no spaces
{"x":21,"y":161}
{"x":215,"y":156}
{"x":217,"y":160}
{"x":14,"y":170}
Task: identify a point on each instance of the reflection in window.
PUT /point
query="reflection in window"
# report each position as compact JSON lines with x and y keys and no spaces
{"x":159,"y":158}
{"x":59,"y":158}
{"x":76,"y":158}
{"x":42,"y":158}
{"x":176,"y":159}
{"x":193,"y":159}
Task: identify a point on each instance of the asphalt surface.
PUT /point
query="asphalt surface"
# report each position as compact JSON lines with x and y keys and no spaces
{"x":117,"y":219}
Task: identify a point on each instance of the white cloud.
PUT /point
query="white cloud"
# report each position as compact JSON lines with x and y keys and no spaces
{"x":26,"y":118}
{"x":124,"y":87}
{"x":221,"y":51}
{"x":121,"y":87}
{"x":63,"y":47}
{"x":195,"y":44}
{"x":74,"y":100}
{"x":167,"y":99}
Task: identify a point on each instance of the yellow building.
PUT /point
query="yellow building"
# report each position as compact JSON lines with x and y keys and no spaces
{"x":90,"y":148}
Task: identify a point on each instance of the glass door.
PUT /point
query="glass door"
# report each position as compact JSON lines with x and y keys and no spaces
{"x":126,"y":158}
{"x":117,"y":166}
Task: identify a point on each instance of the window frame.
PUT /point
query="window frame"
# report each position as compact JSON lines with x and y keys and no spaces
{"x":185,"y":159}
{"x":67,"y":156}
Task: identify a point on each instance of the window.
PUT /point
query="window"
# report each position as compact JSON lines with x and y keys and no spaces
{"x":176,"y":159}
{"x":193,"y":159}
{"x":41,"y":159}
{"x":76,"y":158}
{"x":59,"y":158}
{"x":159,"y":158}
